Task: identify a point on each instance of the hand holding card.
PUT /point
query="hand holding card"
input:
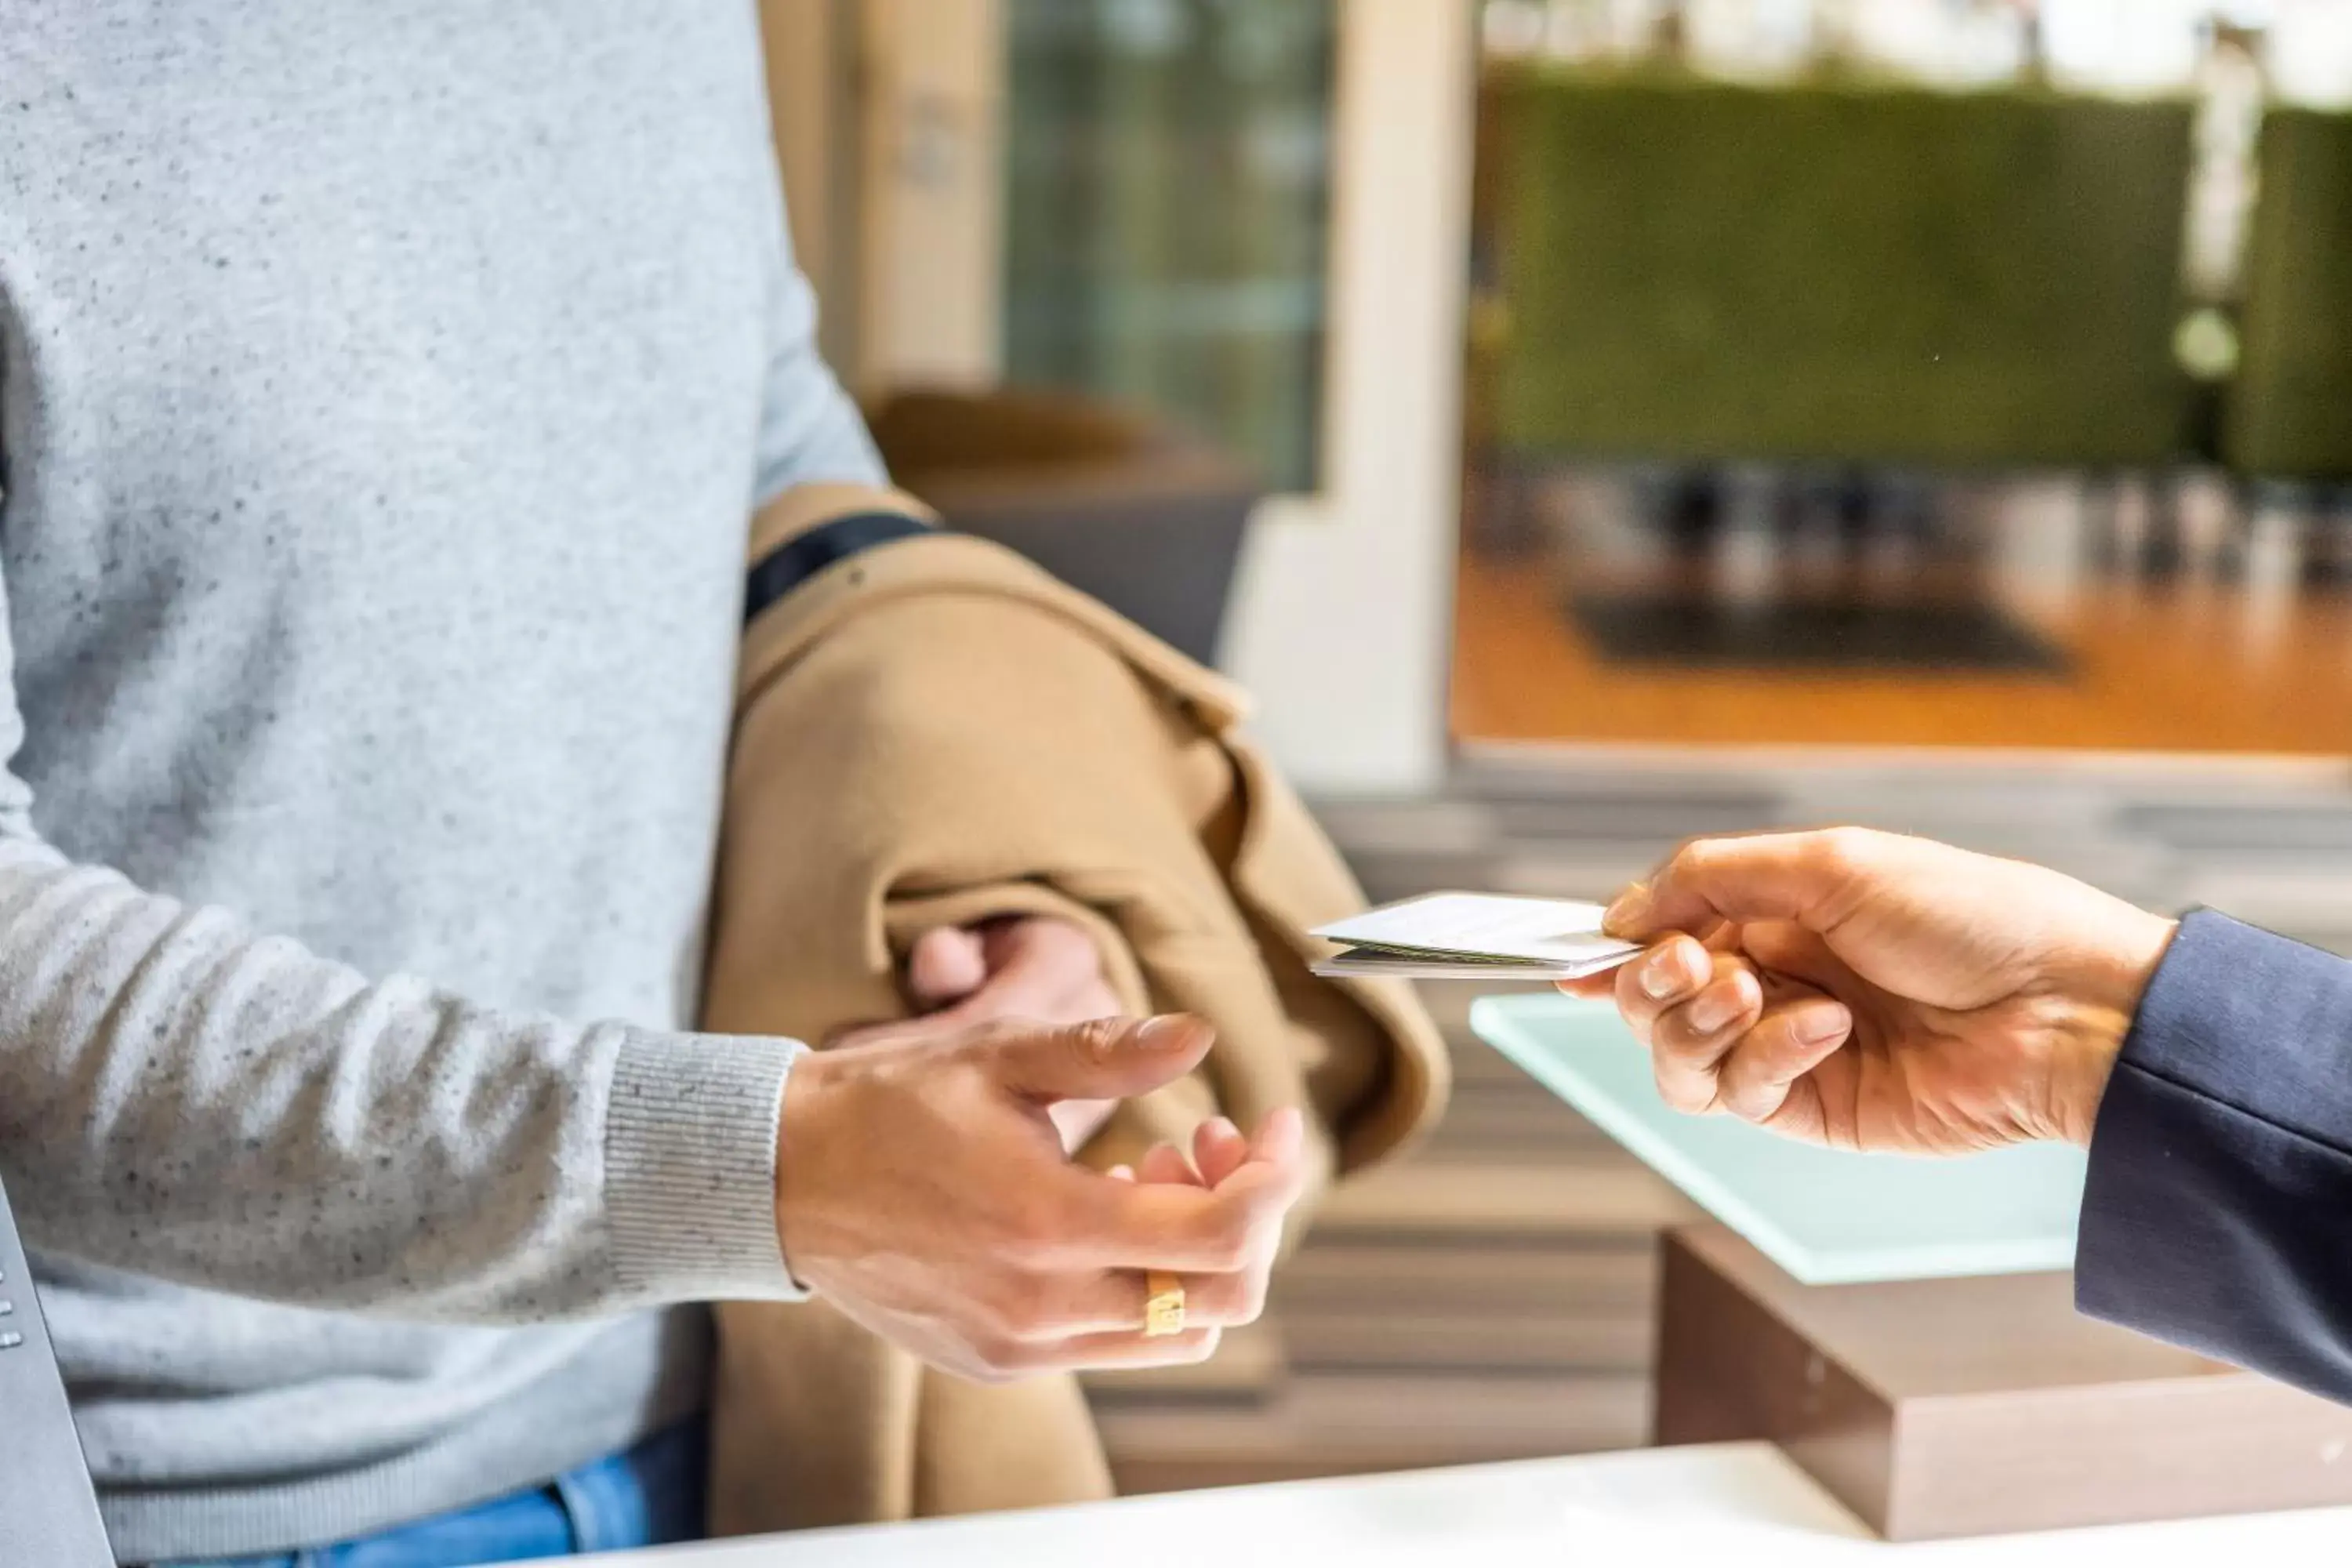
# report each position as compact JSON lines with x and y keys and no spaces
{"x":1475,"y":936}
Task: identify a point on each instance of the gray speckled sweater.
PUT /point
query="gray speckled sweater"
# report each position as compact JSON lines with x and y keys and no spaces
{"x":384,"y":389}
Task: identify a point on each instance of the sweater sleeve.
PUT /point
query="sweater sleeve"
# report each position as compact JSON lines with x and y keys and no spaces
{"x":2218,"y":1212}
{"x":187,"y":1099}
{"x":810,"y":430}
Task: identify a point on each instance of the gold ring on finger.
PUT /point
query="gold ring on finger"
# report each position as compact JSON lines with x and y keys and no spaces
{"x":1164,"y":1305}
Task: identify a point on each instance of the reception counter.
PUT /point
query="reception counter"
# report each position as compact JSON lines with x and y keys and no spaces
{"x":1740,"y":1505}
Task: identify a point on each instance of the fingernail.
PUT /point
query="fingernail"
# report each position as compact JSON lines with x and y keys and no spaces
{"x":1712,"y":1011}
{"x":1632,"y":907}
{"x":1221,"y":1127}
{"x":1819,"y":1025}
{"x":1167,"y":1032}
{"x":1662,"y":977}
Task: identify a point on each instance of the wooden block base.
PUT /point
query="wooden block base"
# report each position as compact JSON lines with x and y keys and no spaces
{"x":1952,"y":1407}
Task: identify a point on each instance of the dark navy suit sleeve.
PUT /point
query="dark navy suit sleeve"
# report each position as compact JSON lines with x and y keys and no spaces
{"x":2218,"y":1213}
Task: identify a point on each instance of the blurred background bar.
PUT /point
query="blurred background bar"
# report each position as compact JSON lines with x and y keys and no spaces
{"x":2291,"y":399}
{"x":1847,"y":272}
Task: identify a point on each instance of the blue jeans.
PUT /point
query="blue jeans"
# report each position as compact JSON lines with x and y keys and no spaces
{"x":650,"y":1496}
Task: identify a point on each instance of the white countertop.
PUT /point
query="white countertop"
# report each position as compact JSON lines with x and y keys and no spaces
{"x":1733,"y":1505}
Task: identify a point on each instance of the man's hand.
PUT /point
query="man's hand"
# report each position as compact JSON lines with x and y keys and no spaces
{"x":1219,"y":1153}
{"x":923,"y":1190}
{"x":1870,"y":991}
{"x":1031,"y":967}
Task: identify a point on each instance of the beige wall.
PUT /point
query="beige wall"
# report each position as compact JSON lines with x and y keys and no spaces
{"x":889,"y":128}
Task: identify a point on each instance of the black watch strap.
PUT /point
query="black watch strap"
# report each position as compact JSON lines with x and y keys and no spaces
{"x":798,"y":559}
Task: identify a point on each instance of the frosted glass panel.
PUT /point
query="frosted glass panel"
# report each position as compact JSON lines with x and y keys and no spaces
{"x":1827,"y":1218}
{"x":1169,"y":167}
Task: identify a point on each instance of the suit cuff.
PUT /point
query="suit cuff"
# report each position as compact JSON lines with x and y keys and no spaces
{"x":691,"y":1167}
{"x":2260,"y":1024}
{"x":2212,"y":1208}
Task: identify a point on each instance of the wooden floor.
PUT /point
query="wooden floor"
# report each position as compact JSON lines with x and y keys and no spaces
{"x":2184,"y":662}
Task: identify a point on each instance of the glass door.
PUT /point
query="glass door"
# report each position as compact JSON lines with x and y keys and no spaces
{"x":1168,"y":175}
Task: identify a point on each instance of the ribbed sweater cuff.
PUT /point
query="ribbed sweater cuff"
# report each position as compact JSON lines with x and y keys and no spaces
{"x":691,"y":1167}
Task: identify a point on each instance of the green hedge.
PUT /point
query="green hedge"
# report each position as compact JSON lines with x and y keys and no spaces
{"x":1850,"y":272}
{"x":2290,"y":410}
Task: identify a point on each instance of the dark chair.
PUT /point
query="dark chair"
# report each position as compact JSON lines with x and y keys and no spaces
{"x":1112,"y":502}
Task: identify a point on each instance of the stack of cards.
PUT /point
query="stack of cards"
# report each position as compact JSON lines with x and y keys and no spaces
{"x":1475,"y":936}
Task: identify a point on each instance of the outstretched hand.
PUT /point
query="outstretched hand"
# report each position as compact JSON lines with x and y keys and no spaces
{"x":1871,"y":990}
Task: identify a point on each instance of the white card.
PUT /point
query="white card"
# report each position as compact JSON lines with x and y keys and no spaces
{"x":1453,"y":927}
{"x":1371,"y":964}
